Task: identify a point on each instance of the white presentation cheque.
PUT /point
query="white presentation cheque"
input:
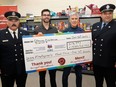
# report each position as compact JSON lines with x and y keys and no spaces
{"x":54,"y":51}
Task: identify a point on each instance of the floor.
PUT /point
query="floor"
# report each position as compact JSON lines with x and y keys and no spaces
{"x":33,"y":80}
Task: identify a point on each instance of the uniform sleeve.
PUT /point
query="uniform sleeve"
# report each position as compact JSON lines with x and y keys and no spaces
{"x":93,"y":26}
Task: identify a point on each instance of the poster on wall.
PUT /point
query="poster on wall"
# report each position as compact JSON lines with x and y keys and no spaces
{"x":54,"y":51}
{"x":4,"y":9}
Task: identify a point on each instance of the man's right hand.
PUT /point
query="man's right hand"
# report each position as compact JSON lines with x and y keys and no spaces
{"x":39,"y":34}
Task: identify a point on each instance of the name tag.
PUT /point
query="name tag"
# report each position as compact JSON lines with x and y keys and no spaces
{"x":4,"y":40}
{"x":94,"y":29}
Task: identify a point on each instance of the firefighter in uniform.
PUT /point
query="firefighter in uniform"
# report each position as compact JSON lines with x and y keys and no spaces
{"x":12,"y":65}
{"x":104,"y":47}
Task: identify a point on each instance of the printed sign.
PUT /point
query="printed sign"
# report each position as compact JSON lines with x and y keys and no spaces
{"x":4,"y":9}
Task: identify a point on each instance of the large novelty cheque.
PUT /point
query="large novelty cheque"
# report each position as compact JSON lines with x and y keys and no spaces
{"x":53,"y":51}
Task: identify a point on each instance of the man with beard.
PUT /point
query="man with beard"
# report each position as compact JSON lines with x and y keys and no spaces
{"x":46,"y":28}
{"x":12,"y":65}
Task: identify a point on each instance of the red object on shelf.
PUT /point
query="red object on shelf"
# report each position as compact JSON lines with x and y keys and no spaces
{"x":4,"y":9}
{"x":95,"y":11}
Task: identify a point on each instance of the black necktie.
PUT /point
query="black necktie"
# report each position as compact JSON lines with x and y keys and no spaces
{"x":14,"y":33}
{"x":104,"y":25}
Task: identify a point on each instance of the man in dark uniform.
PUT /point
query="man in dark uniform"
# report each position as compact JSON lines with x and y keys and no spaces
{"x":46,"y":28}
{"x":104,"y":47}
{"x":11,"y":52}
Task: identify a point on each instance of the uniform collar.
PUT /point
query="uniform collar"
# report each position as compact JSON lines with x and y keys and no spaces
{"x":11,"y":31}
{"x":104,"y":23}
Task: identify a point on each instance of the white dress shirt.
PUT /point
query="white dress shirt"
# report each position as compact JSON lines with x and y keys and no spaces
{"x":103,"y":24}
{"x":11,"y":32}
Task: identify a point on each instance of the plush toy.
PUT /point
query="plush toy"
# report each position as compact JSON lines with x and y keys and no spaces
{"x":92,"y":6}
{"x":94,"y":9}
{"x":53,"y":14}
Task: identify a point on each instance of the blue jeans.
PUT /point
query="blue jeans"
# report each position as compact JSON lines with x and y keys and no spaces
{"x":78,"y":73}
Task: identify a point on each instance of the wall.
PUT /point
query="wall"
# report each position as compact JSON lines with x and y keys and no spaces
{"x":35,"y":6}
{"x":6,"y":2}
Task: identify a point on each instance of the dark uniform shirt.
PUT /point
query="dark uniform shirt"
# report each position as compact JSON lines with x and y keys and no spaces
{"x":11,"y":53}
{"x":104,"y":44}
{"x":42,"y":29}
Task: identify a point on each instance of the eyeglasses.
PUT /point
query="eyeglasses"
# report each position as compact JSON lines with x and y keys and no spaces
{"x":46,"y":15}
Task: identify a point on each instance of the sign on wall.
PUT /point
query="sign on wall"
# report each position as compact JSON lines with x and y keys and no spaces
{"x":4,"y":9}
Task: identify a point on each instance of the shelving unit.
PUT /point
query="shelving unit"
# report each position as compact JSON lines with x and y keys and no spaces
{"x":30,"y":23}
{"x":85,"y":22}
{"x":62,"y":22}
{"x":88,"y":70}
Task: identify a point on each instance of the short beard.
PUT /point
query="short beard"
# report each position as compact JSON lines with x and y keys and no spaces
{"x":46,"y":21}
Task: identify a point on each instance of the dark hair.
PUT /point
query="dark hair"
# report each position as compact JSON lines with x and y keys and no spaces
{"x":44,"y":10}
